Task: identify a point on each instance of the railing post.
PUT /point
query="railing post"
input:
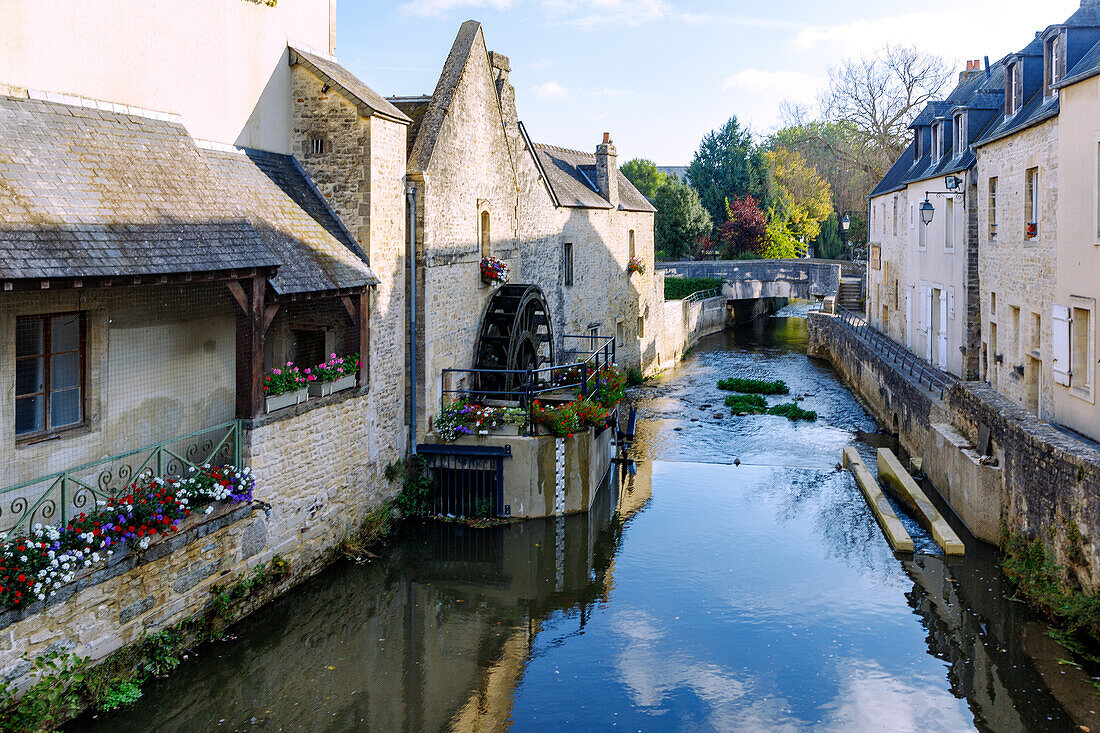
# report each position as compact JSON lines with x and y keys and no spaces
{"x":238,"y":458}
{"x":64,"y":501}
{"x":528,"y":387}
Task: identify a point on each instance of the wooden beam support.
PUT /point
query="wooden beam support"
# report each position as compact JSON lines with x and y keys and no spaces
{"x":269,"y":315}
{"x":238,"y":294}
{"x":349,"y":306}
{"x":364,"y":337}
{"x":250,"y":348}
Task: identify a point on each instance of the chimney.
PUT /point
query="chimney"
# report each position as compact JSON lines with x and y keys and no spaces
{"x":607,"y":171}
{"x":973,"y":68}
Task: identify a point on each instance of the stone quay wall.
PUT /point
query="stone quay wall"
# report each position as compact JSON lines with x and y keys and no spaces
{"x":685,"y":322}
{"x":1047,"y":479}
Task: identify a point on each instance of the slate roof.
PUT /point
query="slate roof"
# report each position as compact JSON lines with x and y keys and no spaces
{"x":1086,"y":68}
{"x":572,"y":175}
{"x":87,"y":192}
{"x":414,"y":108}
{"x":347,"y":84}
{"x":295,"y":221}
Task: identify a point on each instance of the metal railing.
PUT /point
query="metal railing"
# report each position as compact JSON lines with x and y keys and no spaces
{"x":902,"y":357}
{"x":520,"y":388}
{"x":703,"y":295}
{"x":57,"y":497}
{"x":467,"y":480}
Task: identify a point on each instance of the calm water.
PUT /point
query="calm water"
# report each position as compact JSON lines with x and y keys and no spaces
{"x":697,"y":595}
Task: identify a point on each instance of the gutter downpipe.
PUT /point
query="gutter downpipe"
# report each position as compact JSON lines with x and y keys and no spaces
{"x":412,"y":321}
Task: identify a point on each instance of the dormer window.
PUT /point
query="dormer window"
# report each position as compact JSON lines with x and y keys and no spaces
{"x":1011,"y":88}
{"x":1054,"y":63}
{"x":937,"y":141}
{"x":918,"y":140}
{"x":960,"y":134}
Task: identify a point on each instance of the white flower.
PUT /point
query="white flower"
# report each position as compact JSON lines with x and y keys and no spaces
{"x":208,"y":510}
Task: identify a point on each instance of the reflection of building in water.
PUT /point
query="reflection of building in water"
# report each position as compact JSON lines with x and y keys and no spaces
{"x":435,"y":634}
{"x":635,"y":491}
{"x":983,"y":637}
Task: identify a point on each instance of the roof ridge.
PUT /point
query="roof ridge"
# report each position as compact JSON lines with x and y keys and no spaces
{"x":72,"y":100}
{"x":548,"y":146}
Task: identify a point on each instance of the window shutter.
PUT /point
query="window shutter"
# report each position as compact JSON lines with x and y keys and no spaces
{"x":951,"y":302}
{"x":1060,"y":346}
{"x":908,"y":318}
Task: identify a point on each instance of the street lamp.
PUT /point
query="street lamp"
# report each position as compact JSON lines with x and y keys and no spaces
{"x":845,"y":223}
{"x":927,"y":211}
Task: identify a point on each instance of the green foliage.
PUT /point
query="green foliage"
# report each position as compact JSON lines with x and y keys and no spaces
{"x":634,"y":377}
{"x":727,"y":165}
{"x":793,"y":412}
{"x":754,"y":386}
{"x":51,"y":699}
{"x":678,"y":288}
{"x":779,"y":243}
{"x":681,"y":219}
{"x":261,"y":576}
{"x":828,"y":244}
{"x":163,"y":651}
{"x":416,"y":487}
{"x":1042,"y":582}
{"x":753,"y":404}
{"x":120,"y":694}
{"x":645,"y":176}
{"x":802,"y":197}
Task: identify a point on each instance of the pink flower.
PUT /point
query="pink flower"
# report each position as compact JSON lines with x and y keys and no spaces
{"x":290,"y":363}
{"x":277,"y":371}
{"x":307,"y":370}
{"x":312,"y":378}
{"x":339,"y":370}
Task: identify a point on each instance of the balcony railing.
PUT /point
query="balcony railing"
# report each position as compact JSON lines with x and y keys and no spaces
{"x":55,"y":498}
{"x":522,"y":387}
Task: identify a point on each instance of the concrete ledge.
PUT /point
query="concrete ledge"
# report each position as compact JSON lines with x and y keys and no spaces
{"x":974,"y":491}
{"x":891,"y":471}
{"x":892,"y":527}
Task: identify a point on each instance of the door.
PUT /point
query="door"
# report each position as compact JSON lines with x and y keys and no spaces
{"x":926,"y":320}
{"x":909,"y":317}
{"x":942,"y":362}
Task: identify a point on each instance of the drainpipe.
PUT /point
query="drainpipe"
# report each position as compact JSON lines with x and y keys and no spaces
{"x":412,"y":321}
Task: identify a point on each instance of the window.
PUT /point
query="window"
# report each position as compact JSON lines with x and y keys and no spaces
{"x":486,"y":242}
{"x":593,"y":336}
{"x":1031,"y":203}
{"x":937,"y":141}
{"x":992,"y":304}
{"x":1011,"y":87}
{"x":641,"y":327}
{"x":49,"y":373}
{"x":960,"y":134}
{"x":949,"y":224}
{"x":1015,"y":311}
{"x":993,"y":208}
{"x":1098,"y":192}
{"x":309,"y":345}
{"x":1054,"y":62}
{"x":316,"y":145}
{"x":1036,"y":333}
{"x":632,"y":244}
{"x":922,"y":235}
{"x":567,"y":263}
{"x":895,"y":216}
{"x":620,"y":334}
{"x":1080,"y":363}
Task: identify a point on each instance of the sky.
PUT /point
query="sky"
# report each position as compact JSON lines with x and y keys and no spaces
{"x":660,"y":74}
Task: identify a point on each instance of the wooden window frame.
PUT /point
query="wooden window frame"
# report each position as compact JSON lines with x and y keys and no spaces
{"x":567,"y":264}
{"x":48,"y":431}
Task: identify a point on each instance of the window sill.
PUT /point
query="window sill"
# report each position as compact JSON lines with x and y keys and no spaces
{"x":37,"y":438}
{"x":1083,"y":393}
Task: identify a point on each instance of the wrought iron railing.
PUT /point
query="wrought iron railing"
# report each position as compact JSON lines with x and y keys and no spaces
{"x":902,"y":357}
{"x":523,"y":387}
{"x":55,"y":498}
{"x":467,"y":480}
{"x":703,"y":295}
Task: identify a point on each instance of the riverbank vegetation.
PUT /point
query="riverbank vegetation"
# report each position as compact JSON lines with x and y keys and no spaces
{"x":678,"y":288}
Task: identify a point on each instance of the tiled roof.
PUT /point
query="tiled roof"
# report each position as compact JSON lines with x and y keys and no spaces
{"x":572,"y":175}
{"x":86,"y":192}
{"x":414,"y":108}
{"x":1086,"y":68}
{"x":1035,"y":110}
{"x":297,"y":224}
{"x":366,"y":99}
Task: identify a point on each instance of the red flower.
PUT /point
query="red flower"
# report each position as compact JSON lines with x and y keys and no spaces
{"x":22,"y":578}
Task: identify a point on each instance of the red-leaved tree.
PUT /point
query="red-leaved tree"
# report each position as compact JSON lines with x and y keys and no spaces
{"x":743,"y":231}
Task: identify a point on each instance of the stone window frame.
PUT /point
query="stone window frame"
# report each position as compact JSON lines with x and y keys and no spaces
{"x":991,"y":206}
{"x":567,"y":273}
{"x":1033,"y":199}
{"x":1087,"y":335}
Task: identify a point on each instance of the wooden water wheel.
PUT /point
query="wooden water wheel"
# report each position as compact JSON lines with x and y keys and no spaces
{"x":516,"y":334}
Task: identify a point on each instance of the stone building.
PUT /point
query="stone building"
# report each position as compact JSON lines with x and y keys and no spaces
{"x":186,"y":203}
{"x":565,"y":222}
{"x":1030,"y":208}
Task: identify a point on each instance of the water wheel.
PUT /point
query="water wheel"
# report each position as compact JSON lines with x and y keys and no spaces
{"x":516,"y":334}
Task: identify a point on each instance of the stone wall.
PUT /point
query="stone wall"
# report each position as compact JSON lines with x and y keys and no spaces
{"x":109,"y":607}
{"x":887,"y":282}
{"x":1016,"y":272}
{"x":685,"y":323}
{"x":1048,"y":479}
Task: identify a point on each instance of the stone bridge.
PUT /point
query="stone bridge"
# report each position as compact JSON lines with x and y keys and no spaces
{"x":807,"y":279}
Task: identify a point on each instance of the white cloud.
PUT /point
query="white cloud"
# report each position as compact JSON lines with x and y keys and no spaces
{"x":588,"y":13}
{"x":612,"y":92}
{"x":796,"y":86}
{"x":954,"y":31}
{"x":436,"y":8}
{"x":551,"y":90}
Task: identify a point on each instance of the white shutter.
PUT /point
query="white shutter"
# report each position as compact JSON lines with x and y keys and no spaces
{"x":909,"y":317}
{"x":926,"y":320}
{"x":943,"y":330}
{"x":951,"y":302}
{"x":1060,"y":345}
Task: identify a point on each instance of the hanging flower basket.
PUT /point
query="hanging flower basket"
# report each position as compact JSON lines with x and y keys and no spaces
{"x":636,"y":265}
{"x":494,"y":270}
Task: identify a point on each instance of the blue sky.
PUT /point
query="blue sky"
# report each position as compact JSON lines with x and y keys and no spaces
{"x":658,"y":74}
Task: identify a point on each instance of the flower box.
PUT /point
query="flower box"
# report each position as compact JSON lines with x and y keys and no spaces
{"x":286,"y":399}
{"x":324,"y":389}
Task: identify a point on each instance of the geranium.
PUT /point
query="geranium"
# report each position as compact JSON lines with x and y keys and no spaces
{"x":35,"y":565}
{"x":334,"y":368}
{"x":494,"y":270}
{"x":465,"y":418}
{"x":636,"y":265}
{"x":561,"y":421}
{"x":286,"y":379}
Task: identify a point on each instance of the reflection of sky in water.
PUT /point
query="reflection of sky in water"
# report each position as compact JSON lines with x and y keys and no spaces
{"x":733,"y":610}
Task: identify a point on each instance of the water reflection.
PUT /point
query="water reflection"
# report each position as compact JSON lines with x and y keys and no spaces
{"x":697,"y":595}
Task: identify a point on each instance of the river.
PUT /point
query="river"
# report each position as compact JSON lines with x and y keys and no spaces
{"x":736,"y":582}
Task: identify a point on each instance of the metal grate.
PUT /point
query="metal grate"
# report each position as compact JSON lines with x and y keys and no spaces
{"x":467,"y":480}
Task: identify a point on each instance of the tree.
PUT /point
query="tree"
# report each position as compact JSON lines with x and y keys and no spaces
{"x":681,"y":219}
{"x":744,"y":229}
{"x":779,"y":243}
{"x":802,"y":197}
{"x":828,"y":244}
{"x":878,"y":97}
{"x":727,"y":165}
{"x":644,"y":175}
